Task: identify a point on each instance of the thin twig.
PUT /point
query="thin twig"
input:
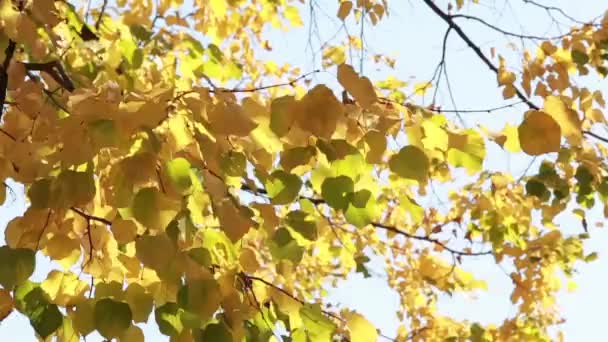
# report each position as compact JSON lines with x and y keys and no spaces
{"x":285,"y":292}
{"x":450,"y":21}
{"x":560,"y":11}
{"x":91,"y":217}
{"x":393,"y":229}
{"x":46,"y":223}
{"x":9,"y":52}
{"x":507,"y":33}
{"x":598,"y":137}
{"x":252,"y":90}
{"x":101,"y":13}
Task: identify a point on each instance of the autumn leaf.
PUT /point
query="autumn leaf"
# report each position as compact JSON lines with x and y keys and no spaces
{"x":539,"y":134}
{"x":360,"y":87}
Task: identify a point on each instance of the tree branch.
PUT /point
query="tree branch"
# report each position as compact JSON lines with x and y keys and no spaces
{"x":101,"y":13}
{"x":560,"y":11}
{"x":380,"y":225}
{"x":91,"y":217}
{"x":506,"y":33}
{"x":252,"y":90}
{"x":9,"y":52}
{"x":598,"y":137}
{"x":450,"y":21}
{"x":55,"y":70}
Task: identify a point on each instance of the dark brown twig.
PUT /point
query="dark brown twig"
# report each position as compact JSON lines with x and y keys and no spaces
{"x":252,"y":90}
{"x":450,"y":21}
{"x":91,"y":217}
{"x":379,"y":225}
{"x":9,"y":52}
{"x":55,"y":70}
{"x":598,"y":137}
{"x":506,"y":33}
{"x":101,"y":13}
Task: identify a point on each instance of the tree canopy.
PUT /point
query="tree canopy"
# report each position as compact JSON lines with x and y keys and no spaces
{"x":179,"y":176}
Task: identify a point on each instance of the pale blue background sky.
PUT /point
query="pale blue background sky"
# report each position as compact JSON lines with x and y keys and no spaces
{"x":413,"y":35}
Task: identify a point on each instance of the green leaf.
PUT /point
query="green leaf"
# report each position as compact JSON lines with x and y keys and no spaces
{"x":103,"y":133}
{"x":16,"y":266}
{"x":233,"y":164}
{"x":579,"y":57}
{"x":46,"y":320}
{"x":112,"y":318}
{"x":282,"y":187}
{"x":296,"y":156}
{"x":303,"y":223}
{"x":362,"y":209}
{"x":217,"y":332}
{"x":178,"y":171}
{"x":153,"y":209}
{"x":537,"y":188}
{"x":168,"y":319}
{"x":33,"y":302}
{"x":411,"y":162}
{"x":336,"y":191}
{"x":284,"y":246}
{"x":360,"y":261}
{"x":319,"y":327}
{"x":201,"y":255}
{"x":352,"y":166}
{"x":39,"y":193}
{"x":201,"y":297}
{"x":72,"y":188}
{"x":21,"y":292}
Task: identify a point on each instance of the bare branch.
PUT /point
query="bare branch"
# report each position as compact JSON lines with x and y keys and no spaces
{"x":598,"y":137}
{"x":507,"y":33}
{"x":55,"y":70}
{"x":252,"y":90}
{"x":9,"y":52}
{"x":380,"y":225}
{"x":560,"y":11}
{"x":450,"y":21}
{"x":91,"y":217}
{"x":101,"y":13}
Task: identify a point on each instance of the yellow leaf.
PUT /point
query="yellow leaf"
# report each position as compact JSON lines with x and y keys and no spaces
{"x":361,"y":330}
{"x":435,"y":137}
{"x":293,"y":16}
{"x":63,"y":249}
{"x":344,"y":10}
{"x":422,"y":87}
{"x":539,"y":134}
{"x":505,"y":77}
{"x":139,"y":301}
{"x":64,"y":288}
{"x":565,"y":117}
{"x":360,"y":87}
{"x":219,"y":7}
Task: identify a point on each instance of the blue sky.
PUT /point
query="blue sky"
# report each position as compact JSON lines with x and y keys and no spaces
{"x":413,"y":36}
